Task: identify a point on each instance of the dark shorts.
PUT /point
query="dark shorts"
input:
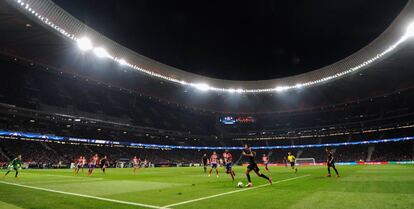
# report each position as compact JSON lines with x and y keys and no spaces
{"x":253,"y":167}
{"x":92,"y":166}
{"x":266,"y":164}
{"x":103,"y":166}
{"x":331,"y":164}
{"x":205,"y":164}
{"x":79,"y":166}
{"x":292,"y":164}
{"x":228,"y":167}
{"x":213,"y":165}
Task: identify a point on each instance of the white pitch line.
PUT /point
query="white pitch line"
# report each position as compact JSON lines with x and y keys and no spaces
{"x":85,"y":196}
{"x":231,"y":192}
{"x":64,"y":176}
{"x":61,"y":181}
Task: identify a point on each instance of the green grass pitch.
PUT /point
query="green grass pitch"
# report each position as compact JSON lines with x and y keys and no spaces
{"x":365,"y":187}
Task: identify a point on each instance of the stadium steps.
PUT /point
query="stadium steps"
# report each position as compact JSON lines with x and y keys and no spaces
{"x":47,"y":147}
{"x":4,"y":154}
{"x":412,"y":151}
{"x":90,"y":149}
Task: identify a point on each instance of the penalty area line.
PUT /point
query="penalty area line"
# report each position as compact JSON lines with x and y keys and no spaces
{"x":231,"y":192}
{"x":83,"y":195}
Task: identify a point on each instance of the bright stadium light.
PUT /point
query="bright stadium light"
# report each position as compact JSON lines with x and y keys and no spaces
{"x":280,"y":88}
{"x":410,"y":30}
{"x":85,"y":44}
{"x":202,"y":87}
{"x":100,"y":52}
{"x":122,"y":62}
{"x":299,"y":85}
{"x":239,"y":91}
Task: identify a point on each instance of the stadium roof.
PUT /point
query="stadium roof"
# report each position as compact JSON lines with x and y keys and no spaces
{"x":50,"y":15}
{"x":379,"y":60}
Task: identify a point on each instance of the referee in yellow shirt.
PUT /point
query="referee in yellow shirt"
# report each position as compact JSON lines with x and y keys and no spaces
{"x":291,"y":160}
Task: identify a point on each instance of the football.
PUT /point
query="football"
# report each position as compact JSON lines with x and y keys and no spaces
{"x":240,"y":184}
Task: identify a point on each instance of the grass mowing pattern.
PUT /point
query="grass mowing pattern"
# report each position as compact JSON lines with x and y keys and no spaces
{"x":372,"y":186}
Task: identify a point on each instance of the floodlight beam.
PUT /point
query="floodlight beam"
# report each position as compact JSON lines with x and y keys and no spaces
{"x":410,"y":30}
{"x":100,"y":52}
{"x":84,"y":44}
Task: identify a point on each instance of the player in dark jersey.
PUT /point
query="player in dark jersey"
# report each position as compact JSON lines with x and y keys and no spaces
{"x":204,"y":161}
{"x":331,"y":163}
{"x":104,"y":163}
{"x":15,"y":165}
{"x":249,"y":154}
{"x":228,"y":161}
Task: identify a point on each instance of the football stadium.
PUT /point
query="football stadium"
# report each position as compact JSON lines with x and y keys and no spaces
{"x":207,"y":104}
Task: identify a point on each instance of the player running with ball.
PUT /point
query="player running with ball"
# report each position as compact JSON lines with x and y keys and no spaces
{"x":249,"y":154}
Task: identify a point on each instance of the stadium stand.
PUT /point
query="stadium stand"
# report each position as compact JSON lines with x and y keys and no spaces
{"x":39,"y":101}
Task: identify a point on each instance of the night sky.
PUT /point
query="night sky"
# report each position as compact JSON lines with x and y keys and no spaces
{"x":239,"y":40}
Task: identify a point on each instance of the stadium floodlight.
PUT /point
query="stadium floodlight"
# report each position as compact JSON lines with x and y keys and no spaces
{"x":410,"y":30}
{"x":85,"y":44}
{"x":281,"y":88}
{"x":100,"y":52}
{"x":202,"y":86}
{"x":122,"y":62}
{"x":231,"y":90}
{"x":299,"y":85}
{"x":239,"y":91}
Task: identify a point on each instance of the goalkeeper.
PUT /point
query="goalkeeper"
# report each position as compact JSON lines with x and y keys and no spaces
{"x":15,"y":165}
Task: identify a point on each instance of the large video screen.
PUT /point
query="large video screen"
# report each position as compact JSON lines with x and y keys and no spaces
{"x":231,"y":120}
{"x":228,"y":120}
